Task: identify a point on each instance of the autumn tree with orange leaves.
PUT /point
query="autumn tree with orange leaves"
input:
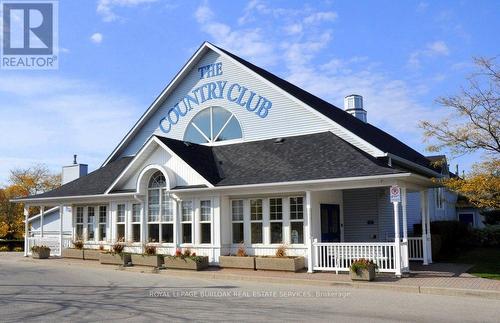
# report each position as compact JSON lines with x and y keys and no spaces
{"x":22,"y":182}
{"x":473,"y":126}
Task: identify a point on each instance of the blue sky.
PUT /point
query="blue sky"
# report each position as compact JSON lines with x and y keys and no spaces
{"x":117,"y":55}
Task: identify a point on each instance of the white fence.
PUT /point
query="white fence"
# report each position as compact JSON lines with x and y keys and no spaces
{"x":51,"y":241}
{"x":339,"y":256}
{"x":415,"y":248}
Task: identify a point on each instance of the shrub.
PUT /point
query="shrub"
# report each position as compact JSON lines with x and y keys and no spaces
{"x":281,"y":251}
{"x":78,"y":244}
{"x":118,"y":247}
{"x":187,"y":252}
{"x":452,"y":233}
{"x":178,"y":252}
{"x":37,"y":249}
{"x":241,"y":252}
{"x":361,"y":264}
{"x":150,"y":250}
{"x":194,"y":254}
{"x":487,"y":237}
{"x":4,"y":248}
{"x":18,"y":249}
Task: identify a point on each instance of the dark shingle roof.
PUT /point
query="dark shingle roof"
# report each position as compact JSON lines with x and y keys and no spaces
{"x":96,"y":182}
{"x":366,"y":131}
{"x":306,"y":157}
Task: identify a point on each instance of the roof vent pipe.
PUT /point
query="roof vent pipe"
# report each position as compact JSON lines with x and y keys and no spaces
{"x":353,"y":104}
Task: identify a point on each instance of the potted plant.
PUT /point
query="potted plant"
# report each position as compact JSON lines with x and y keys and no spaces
{"x":76,"y":252}
{"x":280,"y":261}
{"x":148,"y":258}
{"x":363,"y":269}
{"x":40,"y":252}
{"x":239,"y":260}
{"x":116,"y":256}
{"x":186,"y":260}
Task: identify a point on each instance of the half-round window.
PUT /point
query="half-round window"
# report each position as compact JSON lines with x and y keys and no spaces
{"x":212,"y":125}
{"x":157,"y":180}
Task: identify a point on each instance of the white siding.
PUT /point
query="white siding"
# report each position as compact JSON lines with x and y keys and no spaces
{"x":51,"y":222}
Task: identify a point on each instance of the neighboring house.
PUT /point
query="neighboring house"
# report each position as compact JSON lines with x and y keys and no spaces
{"x":230,"y":154}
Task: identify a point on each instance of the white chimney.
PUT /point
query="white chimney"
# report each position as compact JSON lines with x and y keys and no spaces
{"x":353,"y":104}
{"x":75,"y":171}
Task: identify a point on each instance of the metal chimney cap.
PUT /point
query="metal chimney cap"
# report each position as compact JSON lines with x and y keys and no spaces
{"x":74,"y":160}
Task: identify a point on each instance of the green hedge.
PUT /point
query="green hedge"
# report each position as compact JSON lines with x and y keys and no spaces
{"x":10,"y":245}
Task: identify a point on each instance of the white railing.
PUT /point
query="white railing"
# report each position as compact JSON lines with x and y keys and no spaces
{"x":50,"y":241}
{"x":415,"y":248}
{"x":339,"y":256}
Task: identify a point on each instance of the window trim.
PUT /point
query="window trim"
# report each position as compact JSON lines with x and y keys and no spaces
{"x":296,"y":220}
{"x":242,"y":221}
{"x":99,"y":223}
{"x":271,"y":221}
{"x":261,"y":221}
{"x":181,"y":238}
{"x":206,"y":221}
{"x":213,"y":140}
{"x":132,"y":222}
{"x":163,"y":193}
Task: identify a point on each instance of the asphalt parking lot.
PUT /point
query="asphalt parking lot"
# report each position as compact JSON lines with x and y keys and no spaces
{"x":37,"y":291}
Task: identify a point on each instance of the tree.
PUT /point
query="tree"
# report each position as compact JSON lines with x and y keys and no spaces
{"x":473,"y":126}
{"x":23,"y":182}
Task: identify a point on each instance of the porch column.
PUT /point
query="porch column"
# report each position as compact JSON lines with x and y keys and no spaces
{"x":397,"y":240}
{"x":26,"y":233}
{"x":61,"y":210}
{"x":423,"y":211}
{"x":42,"y":210}
{"x":309,"y":233}
{"x":429,"y":236}
{"x":405,"y":254}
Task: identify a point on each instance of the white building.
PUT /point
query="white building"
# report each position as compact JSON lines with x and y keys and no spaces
{"x":230,"y":153}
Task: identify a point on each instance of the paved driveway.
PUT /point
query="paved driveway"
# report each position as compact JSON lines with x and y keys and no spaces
{"x":34,"y":291}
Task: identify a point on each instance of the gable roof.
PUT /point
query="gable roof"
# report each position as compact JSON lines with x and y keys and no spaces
{"x":94,"y":183}
{"x":297,"y":158}
{"x":366,"y":131}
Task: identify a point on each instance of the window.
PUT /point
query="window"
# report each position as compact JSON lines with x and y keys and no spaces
{"x":237,"y":218}
{"x":187,"y":221}
{"x":79,"y":222}
{"x":297,"y":219}
{"x":276,"y":219}
{"x":212,"y":125}
{"x":160,"y":211}
{"x":206,"y":221}
{"x":136,"y":222}
{"x":103,"y":216}
{"x":90,"y":223}
{"x":439,"y":197}
{"x":120,"y":222}
{"x":256,"y":220}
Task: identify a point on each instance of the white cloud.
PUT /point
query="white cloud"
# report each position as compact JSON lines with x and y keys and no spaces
{"x":318,"y":17}
{"x":52,"y":118}
{"x":105,"y":8}
{"x":434,"y":49}
{"x":96,"y":38}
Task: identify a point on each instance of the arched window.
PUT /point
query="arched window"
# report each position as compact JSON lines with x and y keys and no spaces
{"x":212,"y":125}
{"x":160,"y":210}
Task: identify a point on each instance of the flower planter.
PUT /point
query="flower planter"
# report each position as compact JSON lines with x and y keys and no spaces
{"x":114,"y":259}
{"x":91,"y":254}
{"x":41,"y":254}
{"x":146,"y":260}
{"x":72,"y":253}
{"x":186,"y":263}
{"x":363,"y":274}
{"x":237,"y":262}
{"x":280,"y":263}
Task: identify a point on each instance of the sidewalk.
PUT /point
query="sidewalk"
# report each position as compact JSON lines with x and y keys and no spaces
{"x":439,"y":278}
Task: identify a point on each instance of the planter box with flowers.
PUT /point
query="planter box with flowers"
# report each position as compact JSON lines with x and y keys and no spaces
{"x":280,"y":262}
{"x":148,"y":258}
{"x":40,"y":252}
{"x":363,"y":269}
{"x":76,"y":252}
{"x":93,"y":254}
{"x":186,"y":260}
{"x":239,"y":260}
{"x":116,"y":256}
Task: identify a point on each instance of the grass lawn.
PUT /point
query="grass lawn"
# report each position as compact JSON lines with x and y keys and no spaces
{"x":486,"y":261}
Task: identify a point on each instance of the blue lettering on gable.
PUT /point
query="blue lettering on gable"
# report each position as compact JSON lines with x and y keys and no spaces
{"x":219,"y":90}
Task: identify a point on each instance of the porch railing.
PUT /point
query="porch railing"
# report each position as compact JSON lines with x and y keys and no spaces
{"x":339,"y":256}
{"x":415,"y":248}
{"x":50,"y":241}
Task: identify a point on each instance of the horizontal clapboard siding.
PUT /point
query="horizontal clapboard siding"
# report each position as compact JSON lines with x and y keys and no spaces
{"x":360,"y":207}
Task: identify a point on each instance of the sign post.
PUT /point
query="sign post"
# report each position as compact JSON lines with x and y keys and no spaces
{"x":395,"y":192}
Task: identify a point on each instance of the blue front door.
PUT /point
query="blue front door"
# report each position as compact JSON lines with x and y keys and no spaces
{"x":330,"y":223}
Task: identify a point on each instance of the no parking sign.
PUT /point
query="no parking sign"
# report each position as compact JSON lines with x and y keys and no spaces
{"x":395,"y":194}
